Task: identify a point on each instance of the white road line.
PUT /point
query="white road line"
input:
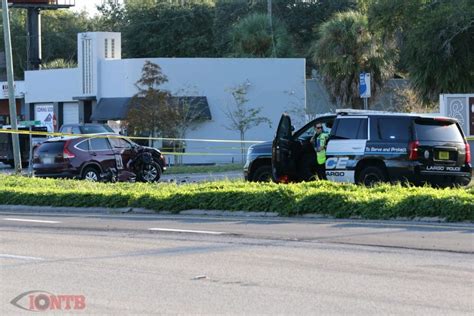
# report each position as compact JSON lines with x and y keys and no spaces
{"x":186,"y":231}
{"x":30,"y":220}
{"x":19,"y":257}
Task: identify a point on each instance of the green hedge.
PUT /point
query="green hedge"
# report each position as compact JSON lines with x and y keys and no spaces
{"x":326,"y":198}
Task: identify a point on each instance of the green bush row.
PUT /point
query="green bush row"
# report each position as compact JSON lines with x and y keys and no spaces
{"x":326,"y":198}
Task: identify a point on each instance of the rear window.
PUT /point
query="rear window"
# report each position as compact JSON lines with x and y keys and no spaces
{"x":51,"y":147}
{"x":431,"y":130}
{"x":394,"y":129}
{"x":84,"y":145}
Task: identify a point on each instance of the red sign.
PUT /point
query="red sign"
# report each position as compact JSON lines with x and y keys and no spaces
{"x":42,"y":301}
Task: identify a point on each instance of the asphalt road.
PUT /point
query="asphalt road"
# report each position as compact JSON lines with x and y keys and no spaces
{"x":149,"y":264}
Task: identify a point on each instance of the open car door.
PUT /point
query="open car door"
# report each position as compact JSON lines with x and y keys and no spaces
{"x":283,"y":166}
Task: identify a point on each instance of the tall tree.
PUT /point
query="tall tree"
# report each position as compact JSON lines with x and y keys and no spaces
{"x":18,"y":38}
{"x":345,"y":48}
{"x":59,"y":36}
{"x":439,"y":49}
{"x":147,"y":113}
{"x":299,"y":18}
{"x":227,"y":13}
{"x":59,"y":33}
{"x":168,"y":30}
{"x":253,"y":36}
{"x":111,"y":16}
{"x":393,"y":21}
{"x":435,"y":40}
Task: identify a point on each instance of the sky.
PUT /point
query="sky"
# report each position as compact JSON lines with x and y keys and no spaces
{"x":89,"y":5}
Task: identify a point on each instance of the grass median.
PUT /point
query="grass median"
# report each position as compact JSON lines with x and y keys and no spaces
{"x":325,"y":198}
{"x":187,"y":169}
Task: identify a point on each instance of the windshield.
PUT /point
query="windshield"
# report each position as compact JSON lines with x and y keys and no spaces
{"x":96,"y":129}
{"x":432,"y":130}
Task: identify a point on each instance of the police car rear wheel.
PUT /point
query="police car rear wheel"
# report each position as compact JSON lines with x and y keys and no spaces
{"x":371,"y":175}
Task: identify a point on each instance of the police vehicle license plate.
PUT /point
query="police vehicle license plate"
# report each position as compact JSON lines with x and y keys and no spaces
{"x":47,"y":160}
{"x":443,"y":155}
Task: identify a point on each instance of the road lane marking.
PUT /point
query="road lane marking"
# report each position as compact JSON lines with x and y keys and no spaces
{"x":19,"y":257}
{"x":30,"y":220}
{"x":186,"y":231}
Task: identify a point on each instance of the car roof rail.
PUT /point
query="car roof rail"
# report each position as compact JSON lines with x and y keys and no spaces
{"x":359,"y":111}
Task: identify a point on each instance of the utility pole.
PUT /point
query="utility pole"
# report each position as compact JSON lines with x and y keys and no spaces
{"x":270,"y":20}
{"x":11,"y":88}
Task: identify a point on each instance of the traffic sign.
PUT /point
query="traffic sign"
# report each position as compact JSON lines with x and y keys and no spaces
{"x":364,"y":85}
{"x":29,"y":123}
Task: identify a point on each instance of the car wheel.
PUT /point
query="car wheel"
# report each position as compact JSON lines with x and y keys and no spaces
{"x":91,"y":174}
{"x":371,"y":175}
{"x":462,"y":181}
{"x":150,"y":173}
{"x":263,"y":174}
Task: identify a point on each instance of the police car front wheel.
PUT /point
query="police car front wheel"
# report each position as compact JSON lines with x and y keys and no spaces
{"x":371,"y":175}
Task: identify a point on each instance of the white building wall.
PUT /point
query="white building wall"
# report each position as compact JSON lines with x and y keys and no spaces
{"x":19,"y":87}
{"x":55,"y":85}
{"x":275,"y":85}
{"x":92,"y":49}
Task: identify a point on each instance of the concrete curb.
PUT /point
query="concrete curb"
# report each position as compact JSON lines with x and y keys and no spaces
{"x":196,"y":212}
{"x":128,"y":210}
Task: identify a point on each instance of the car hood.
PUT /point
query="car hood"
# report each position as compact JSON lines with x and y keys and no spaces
{"x":265,"y":147}
{"x":150,"y":149}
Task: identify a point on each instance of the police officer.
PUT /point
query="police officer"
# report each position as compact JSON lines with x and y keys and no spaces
{"x":320,"y":140}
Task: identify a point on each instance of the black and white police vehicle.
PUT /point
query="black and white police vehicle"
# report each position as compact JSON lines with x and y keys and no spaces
{"x":368,"y":146}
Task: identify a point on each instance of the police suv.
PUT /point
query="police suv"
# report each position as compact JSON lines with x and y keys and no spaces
{"x":368,"y":146}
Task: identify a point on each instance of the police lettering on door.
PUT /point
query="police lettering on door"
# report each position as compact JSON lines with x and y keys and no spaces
{"x":336,"y":169}
{"x":337,"y":163}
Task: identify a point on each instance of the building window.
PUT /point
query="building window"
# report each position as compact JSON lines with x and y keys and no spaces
{"x":106,"y":43}
{"x":113,"y":47}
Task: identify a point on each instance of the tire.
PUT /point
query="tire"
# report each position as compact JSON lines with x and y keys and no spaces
{"x":263,"y":174}
{"x":462,"y":181}
{"x":371,"y":175}
{"x":91,"y":174}
{"x":150,"y":173}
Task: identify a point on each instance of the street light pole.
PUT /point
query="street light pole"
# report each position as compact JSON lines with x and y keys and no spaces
{"x":11,"y":88}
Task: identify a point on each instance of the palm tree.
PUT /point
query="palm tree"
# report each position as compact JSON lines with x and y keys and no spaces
{"x":254,"y":37}
{"x":345,"y":48}
{"x":59,"y":64}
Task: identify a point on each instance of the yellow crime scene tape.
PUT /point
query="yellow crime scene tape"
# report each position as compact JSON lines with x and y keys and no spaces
{"x":165,"y":150}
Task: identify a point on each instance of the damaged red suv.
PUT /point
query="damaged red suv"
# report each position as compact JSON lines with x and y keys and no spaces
{"x":95,"y":158}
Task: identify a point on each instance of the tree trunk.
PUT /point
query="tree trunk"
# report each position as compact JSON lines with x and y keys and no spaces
{"x":242,"y":146}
